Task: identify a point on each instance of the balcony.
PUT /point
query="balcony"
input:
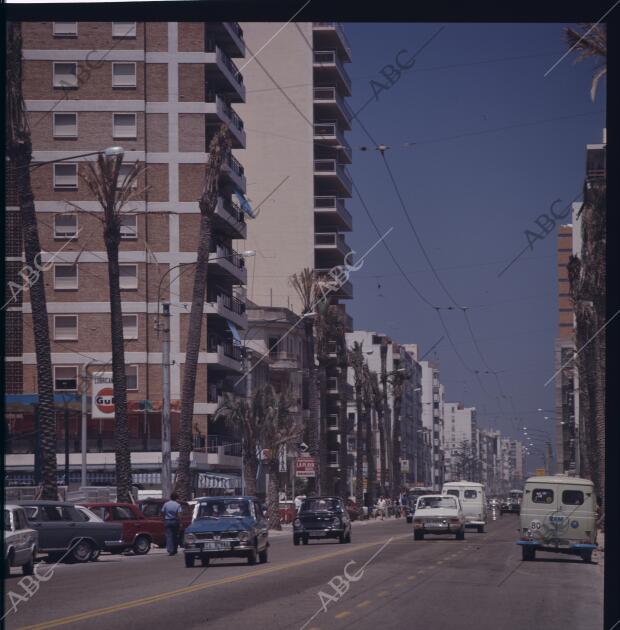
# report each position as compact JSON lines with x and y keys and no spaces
{"x":225,"y":260}
{"x":228,"y":307}
{"x":330,"y":34}
{"x":230,"y":218}
{"x":330,"y":249}
{"x":221,"y":112}
{"x":330,"y":104}
{"x":332,"y":175}
{"x":329,"y":136}
{"x":332,"y":461}
{"x":221,"y":74}
{"x":343,"y":291}
{"x":234,"y":171}
{"x":221,"y":352}
{"x":329,"y":68}
{"x":332,"y":385}
{"x":332,"y":422}
{"x":330,"y":211}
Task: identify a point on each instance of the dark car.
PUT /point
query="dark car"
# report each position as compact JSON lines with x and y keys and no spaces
{"x":64,"y":532}
{"x":509,"y":505}
{"x":226,"y":527}
{"x":322,"y":517}
{"x":139,"y":532}
{"x":151,"y":508}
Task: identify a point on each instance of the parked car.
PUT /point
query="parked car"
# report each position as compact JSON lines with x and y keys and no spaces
{"x":558,"y":514}
{"x":473,"y":501}
{"x":322,"y":517}
{"x":93,"y":518}
{"x":438,"y":514}
{"x":226,"y":527}
{"x":20,"y":541}
{"x":63,"y":532}
{"x":151,"y":508}
{"x":139,"y":532}
{"x":509,"y":505}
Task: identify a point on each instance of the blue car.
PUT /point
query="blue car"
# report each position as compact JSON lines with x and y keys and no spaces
{"x":226,"y":527}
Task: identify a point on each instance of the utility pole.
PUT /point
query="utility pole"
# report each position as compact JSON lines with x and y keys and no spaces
{"x":166,"y":473}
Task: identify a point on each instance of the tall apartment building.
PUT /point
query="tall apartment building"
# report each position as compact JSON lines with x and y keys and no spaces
{"x":567,"y":382}
{"x":432,"y":418}
{"x":160,"y":90}
{"x":461,"y":442}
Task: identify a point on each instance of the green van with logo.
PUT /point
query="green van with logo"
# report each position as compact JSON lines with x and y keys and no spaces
{"x":558,"y":514}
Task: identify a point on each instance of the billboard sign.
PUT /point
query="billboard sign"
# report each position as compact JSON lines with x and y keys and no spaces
{"x":305,"y":467}
{"x":103,"y":395}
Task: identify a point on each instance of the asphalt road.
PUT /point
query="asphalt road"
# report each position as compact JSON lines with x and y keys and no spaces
{"x":437,"y":583}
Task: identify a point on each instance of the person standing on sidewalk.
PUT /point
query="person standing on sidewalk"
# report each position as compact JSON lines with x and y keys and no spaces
{"x":171,"y":510}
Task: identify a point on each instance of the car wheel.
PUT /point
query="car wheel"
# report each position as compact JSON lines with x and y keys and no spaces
{"x":586,"y":555}
{"x":81,"y":551}
{"x":296,"y":539}
{"x":28,"y":568}
{"x":252,"y":556}
{"x":205,"y":560}
{"x":189,"y":560}
{"x":418,"y":535}
{"x":528,"y":553}
{"x":94,"y":556}
{"x":460,"y":535}
{"x":141,"y":545}
{"x":481,"y":529}
{"x":305,"y":540}
{"x":263,"y":556}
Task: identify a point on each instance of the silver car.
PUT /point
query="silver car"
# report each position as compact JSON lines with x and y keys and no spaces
{"x":20,"y":541}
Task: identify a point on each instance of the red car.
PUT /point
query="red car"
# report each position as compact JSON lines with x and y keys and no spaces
{"x":139,"y":532}
{"x":151,"y":508}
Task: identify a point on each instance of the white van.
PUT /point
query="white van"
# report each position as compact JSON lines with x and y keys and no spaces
{"x":473,"y":500}
{"x":558,"y":513}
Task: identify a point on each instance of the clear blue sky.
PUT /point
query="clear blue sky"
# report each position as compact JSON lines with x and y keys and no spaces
{"x":471,"y":198}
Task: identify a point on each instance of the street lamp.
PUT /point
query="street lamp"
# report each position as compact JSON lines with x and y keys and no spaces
{"x":108,"y":152}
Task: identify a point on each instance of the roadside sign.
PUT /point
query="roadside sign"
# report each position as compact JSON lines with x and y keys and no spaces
{"x":103,"y":395}
{"x":540,"y":472}
{"x":305,"y":466}
{"x":303,"y":447}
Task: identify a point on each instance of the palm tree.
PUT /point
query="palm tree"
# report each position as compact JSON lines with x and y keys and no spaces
{"x":377,"y":402}
{"x":19,"y":151}
{"x":397,"y":380}
{"x":343,"y":420}
{"x":112,"y":195}
{"x":371,"y":460}
{"x":592,"y":43}
{"x":219,"y":150}
{"x":356,"y":361}
{"x":277,"y":431}
{"x":305,"y":287}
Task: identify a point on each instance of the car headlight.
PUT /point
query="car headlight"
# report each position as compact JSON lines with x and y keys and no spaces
{"x":336,"y":522}
{"x":296,"y":523}
{"x":190,"y":539}
{"x":244,"y":536}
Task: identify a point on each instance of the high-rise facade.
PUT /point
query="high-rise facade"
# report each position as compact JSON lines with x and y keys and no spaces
{"x":160,"y":90}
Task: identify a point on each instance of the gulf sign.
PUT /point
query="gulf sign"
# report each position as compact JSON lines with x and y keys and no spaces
{"x":103,"y":395}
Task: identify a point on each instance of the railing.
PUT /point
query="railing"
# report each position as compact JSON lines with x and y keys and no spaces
{"x":325,"y":129}
{"x":333,"y":458}
{"x":332,"y":94}
{"x":234,"y":117}
{"x":332,"y":422}
{"x":338,"y":27}
{"x":330,"y":239}
{"x":211,"y":46}
{"x":216,"y":445}
{"x":215,"y":343}
{"x":331,"y":166}
{"x":233,"y":208}
{"x":237,"y":29}
{"x":330,"y":57}
{"x":223,"y":251}
{"x":235,"y":165}
{"x":333,"y":203}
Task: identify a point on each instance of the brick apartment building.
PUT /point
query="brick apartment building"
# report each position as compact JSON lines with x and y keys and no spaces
{"x":160,"y":90}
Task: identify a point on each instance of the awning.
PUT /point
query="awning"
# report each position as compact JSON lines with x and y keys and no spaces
{"x":245,"y":204}
{"x":234,"y":332}
{"x":23,"y":403}
{"x":218,"y":480}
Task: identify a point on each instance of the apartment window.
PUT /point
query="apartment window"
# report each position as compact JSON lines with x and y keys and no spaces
{"x":65,"y":277}
{"x":124,"y":29}
{"x":130,"y":326}
{"x":131,"y":376}
{"x":123,"y":74}
{"x":65,"y":74}
{"x":66,"y":327}
{"x":65,"y":225}
{"x":273,"y":346}
{"x":65,"y":29}
{"x":124,"y":125}
{"x":129,"y":227}
{"x":65,"y":125}
{"x":123,"y":173}
{"x":66,"y":176}
{"x":128,"y":276}
{"x":65,"y":378}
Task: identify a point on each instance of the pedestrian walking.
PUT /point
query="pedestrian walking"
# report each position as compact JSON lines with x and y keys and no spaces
{"x":381,"y":507}
{"x":171,"y":510}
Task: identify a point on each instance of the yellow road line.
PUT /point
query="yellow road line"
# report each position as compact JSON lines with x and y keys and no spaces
{"x":364,"y":603}
{"x":154,"y":599}
{"x":344,"y":613}
{"x":382,"y":593}
{"x":412,"y":577}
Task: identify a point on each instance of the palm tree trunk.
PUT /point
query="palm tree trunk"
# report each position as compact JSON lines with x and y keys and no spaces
{"x":273,"y":495}
{"x":194,"y":333}
{"x":396,"y":446}
{"x":386,"y":419}
{"x":19,"y":150}
{"x":322,"y":432}
{"x":382,"y":453}
{"x":250,"y":467}
{"x":315,"y":414}
{"x":370,"y":457}
{"x":343,"y":452}
{"x":359,"y":459}
{"x":121,"y":424}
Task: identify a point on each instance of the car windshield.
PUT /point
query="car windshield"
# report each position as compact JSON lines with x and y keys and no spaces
{"x":437,"y":502}
{"x":319,"y":505}
{"x":218,"y":508}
